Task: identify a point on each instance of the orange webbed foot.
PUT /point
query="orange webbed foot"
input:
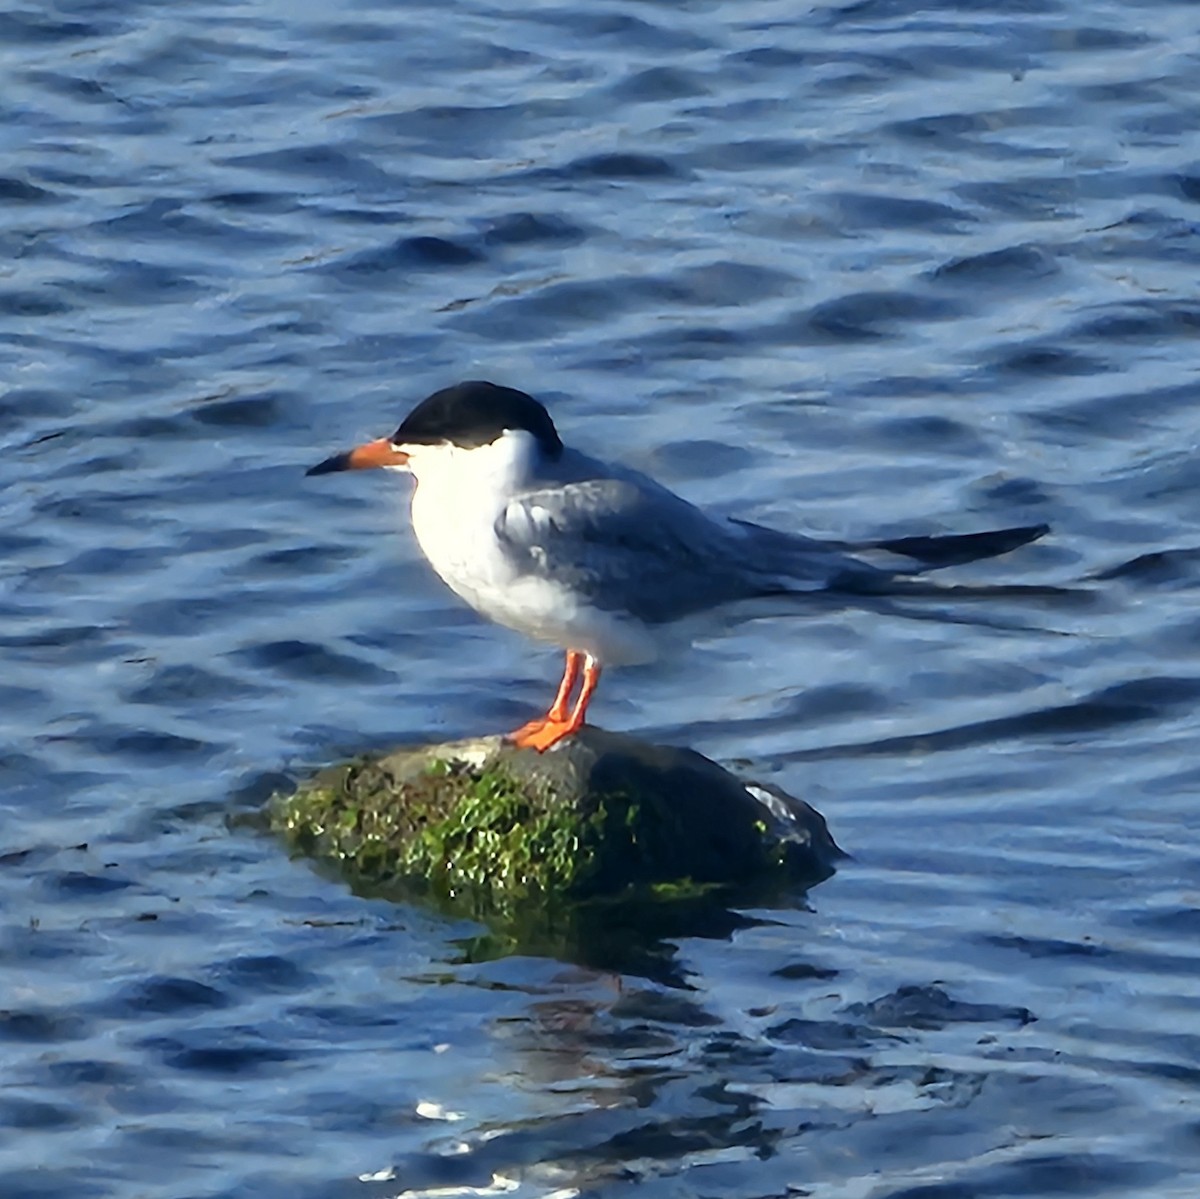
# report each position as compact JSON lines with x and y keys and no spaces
{"x":542,"y":734}
{"x":527,"y":730}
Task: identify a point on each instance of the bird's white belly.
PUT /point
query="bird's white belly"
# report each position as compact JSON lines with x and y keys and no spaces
{"x":462,"y":547}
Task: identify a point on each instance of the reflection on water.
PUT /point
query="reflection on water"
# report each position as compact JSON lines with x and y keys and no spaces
{"x":871,"y":269}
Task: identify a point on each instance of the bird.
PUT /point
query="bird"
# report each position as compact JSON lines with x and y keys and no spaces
{"x":594,"y":557}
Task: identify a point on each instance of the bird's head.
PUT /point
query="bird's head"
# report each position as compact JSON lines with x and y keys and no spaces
{"x":497,"y":430}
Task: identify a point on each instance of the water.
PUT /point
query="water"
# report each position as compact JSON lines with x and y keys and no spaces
{"x":878,"y":267}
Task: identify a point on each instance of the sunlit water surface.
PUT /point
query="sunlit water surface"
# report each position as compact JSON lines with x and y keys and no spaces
{"x":851,"y":268}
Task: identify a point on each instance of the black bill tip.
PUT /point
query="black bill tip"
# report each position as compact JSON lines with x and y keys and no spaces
{"x":337,"y":462}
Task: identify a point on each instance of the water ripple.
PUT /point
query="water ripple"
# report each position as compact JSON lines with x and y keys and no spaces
{"x":874,"y":267}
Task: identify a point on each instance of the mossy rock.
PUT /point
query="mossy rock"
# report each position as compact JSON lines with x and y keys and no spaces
{"x":486,"y":828}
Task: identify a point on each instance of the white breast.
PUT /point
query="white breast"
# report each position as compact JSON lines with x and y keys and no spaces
{"x":459,"y":497}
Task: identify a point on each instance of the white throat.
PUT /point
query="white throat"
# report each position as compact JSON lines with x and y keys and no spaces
{"x":504,"y":465}
{"x":459,"y":497}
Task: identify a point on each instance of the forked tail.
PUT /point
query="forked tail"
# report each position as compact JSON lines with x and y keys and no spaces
{"x":953,"y":549}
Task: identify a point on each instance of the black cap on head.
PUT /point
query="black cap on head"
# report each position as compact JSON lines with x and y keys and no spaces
{"x":474,"y":414}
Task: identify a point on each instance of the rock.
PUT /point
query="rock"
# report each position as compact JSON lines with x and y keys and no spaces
{"x":483,"y":825}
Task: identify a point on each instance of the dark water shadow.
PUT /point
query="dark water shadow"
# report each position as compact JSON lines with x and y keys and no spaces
{"x":634,"y":935}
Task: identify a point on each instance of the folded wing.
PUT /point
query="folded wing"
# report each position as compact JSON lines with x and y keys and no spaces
{"x":626,"y":548}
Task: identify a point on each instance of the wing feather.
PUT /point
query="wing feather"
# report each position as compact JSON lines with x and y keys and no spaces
{"x":624,"y":547}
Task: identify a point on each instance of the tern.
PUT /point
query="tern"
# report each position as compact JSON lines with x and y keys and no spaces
{"x":596,"y":558}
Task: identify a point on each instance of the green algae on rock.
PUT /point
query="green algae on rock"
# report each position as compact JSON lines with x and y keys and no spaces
{"x":484,"y":826}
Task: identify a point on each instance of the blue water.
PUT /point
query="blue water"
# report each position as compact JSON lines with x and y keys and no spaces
{"x":851,"y":268}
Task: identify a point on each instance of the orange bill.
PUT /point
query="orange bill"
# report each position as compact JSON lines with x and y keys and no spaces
{"x":380,"y":452}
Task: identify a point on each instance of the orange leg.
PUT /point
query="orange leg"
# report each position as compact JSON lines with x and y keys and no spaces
{"x":557,"y":723}
{"x":558,"y":709}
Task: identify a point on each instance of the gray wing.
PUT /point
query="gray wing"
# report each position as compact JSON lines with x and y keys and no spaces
{"x":627,"y":547}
